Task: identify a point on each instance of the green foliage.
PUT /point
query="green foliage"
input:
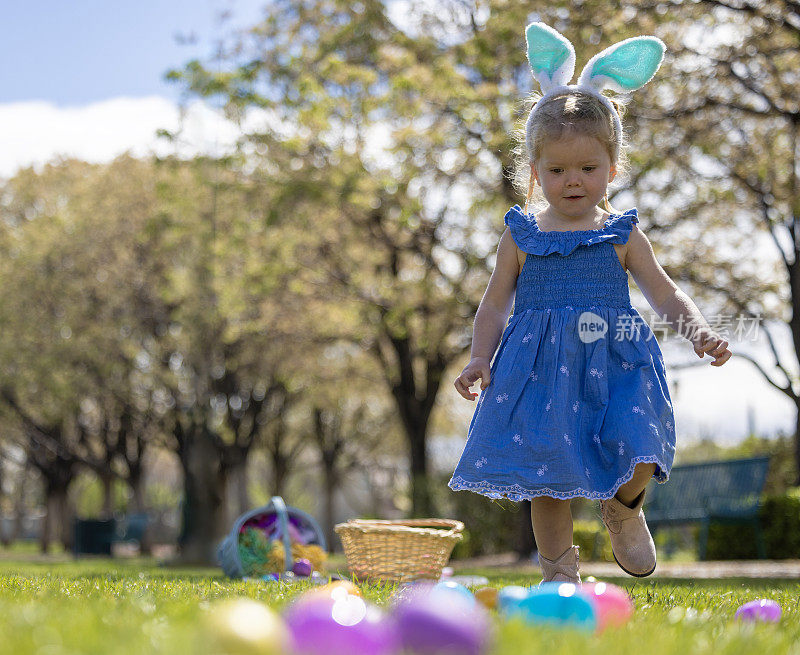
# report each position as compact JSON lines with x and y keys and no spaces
{"x":490,"y":526}
{"x":780,"y":524}
{"x":592,"y":537}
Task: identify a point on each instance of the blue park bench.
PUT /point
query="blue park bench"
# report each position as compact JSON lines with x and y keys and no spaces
{"x":727,"y":491}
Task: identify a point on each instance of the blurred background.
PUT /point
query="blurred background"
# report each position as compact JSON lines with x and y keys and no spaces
{"x":242,"y":244}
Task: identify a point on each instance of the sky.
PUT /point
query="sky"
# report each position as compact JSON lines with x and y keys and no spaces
{"x":85,"y":78}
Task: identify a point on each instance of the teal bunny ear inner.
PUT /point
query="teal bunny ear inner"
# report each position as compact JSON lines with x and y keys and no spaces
{"x":551,"y":56}
{"x":625,"y":66}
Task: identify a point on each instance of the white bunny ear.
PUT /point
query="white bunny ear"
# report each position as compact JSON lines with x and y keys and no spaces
{"x":551,"y":56}
{"x":624,"y":66}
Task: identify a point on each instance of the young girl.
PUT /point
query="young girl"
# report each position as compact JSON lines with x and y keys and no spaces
{"x":575,"y":402}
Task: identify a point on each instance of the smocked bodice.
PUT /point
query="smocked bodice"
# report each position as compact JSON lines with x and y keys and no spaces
{"x":577,"y":269}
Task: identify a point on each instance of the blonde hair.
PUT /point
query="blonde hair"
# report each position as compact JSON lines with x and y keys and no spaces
{"x":568,"y":113}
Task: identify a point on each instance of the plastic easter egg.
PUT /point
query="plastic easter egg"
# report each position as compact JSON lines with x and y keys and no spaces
{"x":762,"y":609}
{"x":245,"y":627}
{"x":450,"y":587}
{"x":558,"y":604}
{"x":302,"y":568}
{"x":611,"y":603}
{"x":345,"y":625}
{"x":437,"y":622}
{"x":509,"y":598}
{"x":410,"y":590}
{"x":337,"y":588}
{"x":487,"y":596}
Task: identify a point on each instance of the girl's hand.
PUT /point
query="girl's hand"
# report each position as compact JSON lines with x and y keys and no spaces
{"x":478,"y":367}
{"x":705,"y":340}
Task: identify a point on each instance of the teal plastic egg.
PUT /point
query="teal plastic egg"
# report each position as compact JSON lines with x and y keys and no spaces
{"x":558,"y":604}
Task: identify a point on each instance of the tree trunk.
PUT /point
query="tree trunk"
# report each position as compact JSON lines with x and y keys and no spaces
{"x":57,"y":519}
{"x":797,"y":443}
{"x":204,"y":523}
{"x":237,"y":490}
{"x":108,"y":495}
{"x":5,"y":535}
{"x":421,"y":501}
{"x":138,"y":505}
{"x":329,"y":482}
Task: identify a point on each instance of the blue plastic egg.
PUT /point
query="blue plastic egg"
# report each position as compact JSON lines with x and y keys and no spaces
{"x":509,"y":598}
{"x":558,"y":604}
{"x":450,"y":587}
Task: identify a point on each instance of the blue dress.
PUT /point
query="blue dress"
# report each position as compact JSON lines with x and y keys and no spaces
{"x":578,"y":391}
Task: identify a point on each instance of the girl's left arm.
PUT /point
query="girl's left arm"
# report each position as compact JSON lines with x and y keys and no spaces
{"x":669,"y":302}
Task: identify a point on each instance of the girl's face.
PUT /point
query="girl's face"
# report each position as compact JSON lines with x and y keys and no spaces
{"x":574,"y":172}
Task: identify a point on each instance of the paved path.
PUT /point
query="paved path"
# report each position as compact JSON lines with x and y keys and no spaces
{"x":787,"y":569}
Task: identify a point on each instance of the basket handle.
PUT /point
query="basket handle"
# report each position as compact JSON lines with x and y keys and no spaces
{"x":283,"y":521}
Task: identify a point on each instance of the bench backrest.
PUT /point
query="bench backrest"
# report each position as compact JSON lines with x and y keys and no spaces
{"x":728,"y":487}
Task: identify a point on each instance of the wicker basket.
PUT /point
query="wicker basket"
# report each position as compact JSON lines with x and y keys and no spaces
{"x":400,"y":550}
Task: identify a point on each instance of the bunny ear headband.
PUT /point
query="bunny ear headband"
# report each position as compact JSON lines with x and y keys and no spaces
{"x":622,"y":67}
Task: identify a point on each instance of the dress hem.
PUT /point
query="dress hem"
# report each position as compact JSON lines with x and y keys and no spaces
{"x":518,"y":493}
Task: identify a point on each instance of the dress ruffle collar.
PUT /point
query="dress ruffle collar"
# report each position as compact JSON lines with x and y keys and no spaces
{"x":530,"y":239}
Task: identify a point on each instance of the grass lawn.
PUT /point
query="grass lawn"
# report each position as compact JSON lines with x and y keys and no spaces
{"x":58,"y":606}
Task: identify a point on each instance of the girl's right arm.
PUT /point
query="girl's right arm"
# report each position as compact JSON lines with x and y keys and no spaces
{"x":491,"y":317}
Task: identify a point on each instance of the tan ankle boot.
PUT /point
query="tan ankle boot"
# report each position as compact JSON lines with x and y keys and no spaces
{"x":631,"y":543}
{"x":563,"y":569}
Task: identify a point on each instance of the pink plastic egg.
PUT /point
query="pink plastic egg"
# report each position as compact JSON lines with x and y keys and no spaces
{"x":343,"y":625}
{"x":611,"y":603}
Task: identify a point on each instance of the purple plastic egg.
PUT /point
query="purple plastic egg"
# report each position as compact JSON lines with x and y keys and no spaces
{"x":442,"y":621}
{"x":408,"y":591}
{"x":759,"y":610}
{"x":346,"y":625}
{"x":302,"y":568}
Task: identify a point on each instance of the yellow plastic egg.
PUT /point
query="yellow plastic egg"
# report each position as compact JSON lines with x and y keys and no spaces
{"x":245,"y":627}
{"x":487,"y":596}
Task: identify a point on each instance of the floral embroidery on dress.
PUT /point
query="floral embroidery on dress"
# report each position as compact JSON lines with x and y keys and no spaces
{"x":481,"y":462}
{"x":564,"y":370}
{"x":596,"y":439}
{"x":547,"y":407}
{"x":527,"y":337}
{"x":518,"y":438}
{"x":553,"y":338}
{"x":588,"y":475}
{"x":534,"y":377}
{"x":575,"y":406}
{"x":502,"y":397}
{"x":627,"y":365}
{"x":637,"y":410}
{"x":567,"y":439}
{"x":542,"y":469}
{"x":649,"y":384}
{"x":595,"y":373}
{"x":621,"y":448}
{"x":668,"y":425}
